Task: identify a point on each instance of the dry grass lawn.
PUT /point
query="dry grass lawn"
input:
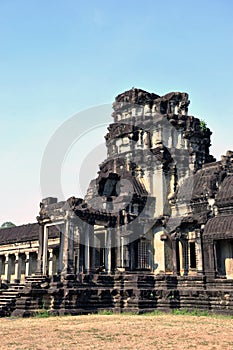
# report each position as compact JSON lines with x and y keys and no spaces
{"x":117,"y":332}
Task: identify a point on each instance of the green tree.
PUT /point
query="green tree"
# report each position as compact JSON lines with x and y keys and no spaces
{"x":7,"y":224}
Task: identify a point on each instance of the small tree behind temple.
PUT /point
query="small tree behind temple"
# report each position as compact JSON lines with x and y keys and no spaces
{"x":7,"y":224}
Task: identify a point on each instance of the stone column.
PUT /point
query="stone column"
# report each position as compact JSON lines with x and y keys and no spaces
{"x":1,"y":268}
{"x":132,"y":247}
{"x":40,"y":250}
{"x":68,"y":248}
{"x":65,"y":249}
{"x":50,"y":262}
{"x":87,"y":249}
{"x":175,"y":255}
{"x":70,"y":268}
{"x":185,"y":257}
{"x":92,"y":248}
{"x":215,"y":265}
{"x":77,"y":248}
{"x":108,"y":246}
{"x":45,"y":251}
{"x":77,"y":258}
{"x":6,"y":277}
{"x":199,"y":254}
{"x":159,"y":250}
{"x":209,"y":263}
{"x":118,"y":248}
{"x":60,"y":256}
{"x":17,"y":272}
{"x":122,"y":252}
{"x":27,"y":264}
{"x":158,"y":189}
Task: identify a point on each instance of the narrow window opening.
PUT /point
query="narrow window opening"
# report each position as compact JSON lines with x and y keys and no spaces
{"x":193,"y":263}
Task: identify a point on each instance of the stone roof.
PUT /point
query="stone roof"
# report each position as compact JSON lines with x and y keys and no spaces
{"x":24,"y":233}
{"x":220,"y":225}
{"x":200,"y":186}
{"x":205,"y":181}
{"x":224,"y":196}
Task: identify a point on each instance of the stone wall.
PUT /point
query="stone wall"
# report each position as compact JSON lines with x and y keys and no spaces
{"x":122,"y":292}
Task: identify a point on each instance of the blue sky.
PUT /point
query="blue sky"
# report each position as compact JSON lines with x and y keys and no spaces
{"x":60,"y":57}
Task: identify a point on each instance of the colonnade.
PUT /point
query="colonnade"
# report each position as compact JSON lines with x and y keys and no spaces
{"x":14,"y":267}
{"x":88,"y":248}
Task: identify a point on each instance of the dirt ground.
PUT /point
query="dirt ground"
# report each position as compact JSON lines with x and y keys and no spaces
{"x":117,"y":332}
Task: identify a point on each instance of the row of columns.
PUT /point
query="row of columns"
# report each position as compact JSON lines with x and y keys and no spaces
{"x":86,"y":263}
{"x":71,"y":258}
{"x":77,"y":250}
{"x":45,"y":260}
{"x":69,"y":249}
{"x":16,"y":265}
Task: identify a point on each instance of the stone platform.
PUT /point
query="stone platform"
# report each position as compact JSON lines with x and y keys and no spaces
{"x":125,"y":292}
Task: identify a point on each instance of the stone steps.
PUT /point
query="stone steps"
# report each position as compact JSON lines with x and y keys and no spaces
{"x":36,"y":278}
{"x":8,"y":298}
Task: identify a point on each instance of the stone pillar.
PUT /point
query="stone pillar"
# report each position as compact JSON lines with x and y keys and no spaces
{"x":92,"y":248}
{"x":40,"y":250}
{"x":159,"y":250}
{"x":77,"y":258}
{"x":108,"y":247}
{"x":68,"y":248}
{"x":17,"y":267}
{"x":70,"y":268}
{"x":60,"y":257}
{"x":209,"y":262}
{"x":122,"y":252}
{"x":215,"y":258}
{"x":159,"y":190}
{"x":175,"y":255}
{"x":118,"y":248}
{"x":199,"y":254}
{"x":1,"y":268}
{"x":27,"y":264}
{"x":87,"y":249}
{"x":132,"y":255}
{"x":77,"y":249}
{"x":6,"y":276}
{"x":50,"y":262}
{"x":185,"y":257}
{"x":45,"y":251}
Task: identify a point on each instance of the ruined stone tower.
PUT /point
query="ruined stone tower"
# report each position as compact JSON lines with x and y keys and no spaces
{"x":155,"y":229}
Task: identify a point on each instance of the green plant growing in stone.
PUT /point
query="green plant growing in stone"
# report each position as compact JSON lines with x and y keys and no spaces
{"x":105,"y":312}
{"x":43,"y":312}
{"x":152,"y":313}
{"x":203,"y":125}
{"x":187,"y":312}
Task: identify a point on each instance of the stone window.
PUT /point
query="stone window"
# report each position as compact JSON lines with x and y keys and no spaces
{"x":2,"y":264}
{"x":124,"y":251}
{"x":168,"y":255}
{"x":108,"y":186}
{"x":22,"y":263}
{"x":32,"y":263}
{"x":143,"y":254}
{"x":11,"y":264}
{"x":192,"y":252}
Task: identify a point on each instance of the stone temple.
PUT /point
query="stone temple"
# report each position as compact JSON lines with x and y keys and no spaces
{"x":154,"y":231}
